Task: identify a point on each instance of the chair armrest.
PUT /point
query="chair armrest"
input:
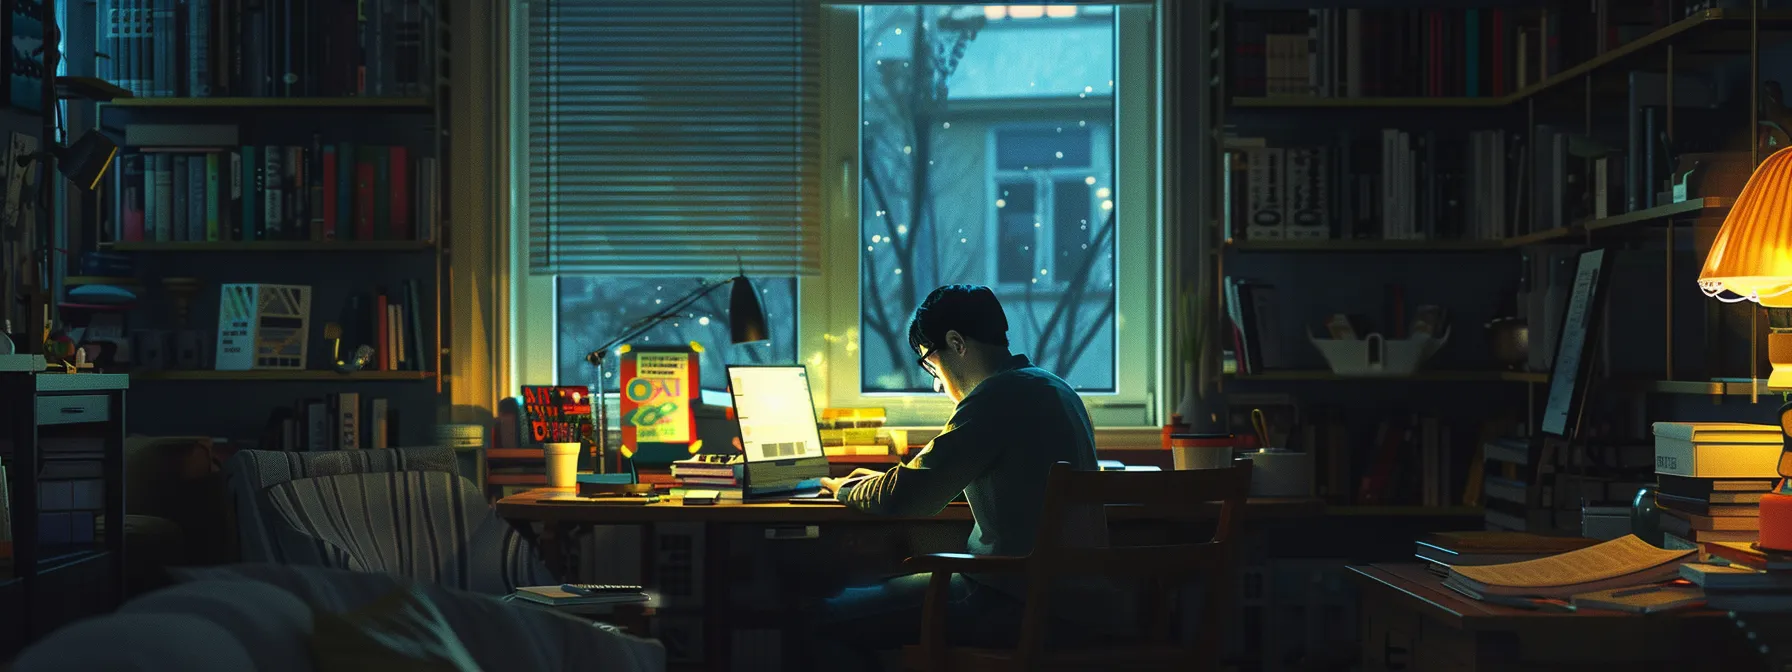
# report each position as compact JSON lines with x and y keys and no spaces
{"x":961,"y":563}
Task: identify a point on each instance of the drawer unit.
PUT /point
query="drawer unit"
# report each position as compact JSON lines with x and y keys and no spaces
{"x":72,"y":409}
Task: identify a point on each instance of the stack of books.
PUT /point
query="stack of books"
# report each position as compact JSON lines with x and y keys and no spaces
{"x":1442,"y":551}
{"x":1710,"y":477}
{"x":1740,"y":577}
{"x":719,"y":474}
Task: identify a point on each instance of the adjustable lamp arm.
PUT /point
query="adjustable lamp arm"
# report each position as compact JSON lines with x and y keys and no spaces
{"x":634,"y":330}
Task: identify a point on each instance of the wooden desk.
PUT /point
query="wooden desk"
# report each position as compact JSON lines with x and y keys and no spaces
{"x":537,"y":506}
{"x":1410,"y":621}
{"x":524,"y":510}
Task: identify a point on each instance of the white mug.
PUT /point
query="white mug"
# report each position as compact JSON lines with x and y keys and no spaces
{"x":563,"y":464}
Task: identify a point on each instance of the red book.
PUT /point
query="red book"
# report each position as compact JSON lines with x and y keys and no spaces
{"x":364,"y":186}
{"x":399,"y":174}
{"x":330,"y":193}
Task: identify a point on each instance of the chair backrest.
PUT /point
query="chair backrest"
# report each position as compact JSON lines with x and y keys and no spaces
{"x":249,"y":473}
{"x":1165,"y":496}
{"x":428,"y":525}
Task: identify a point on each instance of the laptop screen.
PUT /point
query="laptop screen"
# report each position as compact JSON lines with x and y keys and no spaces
{"x":776,"y":413}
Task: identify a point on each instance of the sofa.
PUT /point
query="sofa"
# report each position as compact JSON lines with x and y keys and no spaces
{"x":277,"y":618}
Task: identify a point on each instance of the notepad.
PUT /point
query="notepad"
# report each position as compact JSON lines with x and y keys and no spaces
{"x":1621,"y":562}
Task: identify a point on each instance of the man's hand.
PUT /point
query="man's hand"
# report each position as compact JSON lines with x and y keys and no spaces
{"x":832,"y":485}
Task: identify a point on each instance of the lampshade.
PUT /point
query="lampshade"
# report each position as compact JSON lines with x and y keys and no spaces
{"x":1752,"y":255}
{"x":746,"y":320}
{"x":84,"y":162}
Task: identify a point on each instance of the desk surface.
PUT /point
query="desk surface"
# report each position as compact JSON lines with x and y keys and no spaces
{"x":1427,"y":592}
{"x":540,"y":505}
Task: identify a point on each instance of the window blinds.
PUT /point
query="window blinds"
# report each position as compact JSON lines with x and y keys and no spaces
{"x":674,"y":137}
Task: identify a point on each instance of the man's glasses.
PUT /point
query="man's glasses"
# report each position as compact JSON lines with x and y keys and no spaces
{"x":938,"y":385}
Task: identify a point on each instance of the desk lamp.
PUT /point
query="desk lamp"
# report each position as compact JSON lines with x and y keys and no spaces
{"x":746,"y":324}
{"x":1751,"y":259}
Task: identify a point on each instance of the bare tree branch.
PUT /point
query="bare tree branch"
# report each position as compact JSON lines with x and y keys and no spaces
{"x":1081,"y":277}
{"x":1089,"y":336}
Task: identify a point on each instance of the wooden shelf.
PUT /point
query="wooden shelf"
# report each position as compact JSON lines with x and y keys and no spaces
{"x":515,"y":454}
{"x":79,"y":280}
{"x":346,"y":103}
{"x":1414,"y":102}
{"x":1427,"y":376}
{"x":1710,"y":388}
{"x":1706,"y":23}
{"x":1364,"y":245}
{"x":1405,"y":511}
{"x":311,"y":375}
{"x":1709,"y":206}
{"x":274,"y":246}
{"x":1698,"y":207}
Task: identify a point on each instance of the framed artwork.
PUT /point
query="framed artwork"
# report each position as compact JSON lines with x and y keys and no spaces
{"x":1568,"y":374}
{"x":24,"y":60}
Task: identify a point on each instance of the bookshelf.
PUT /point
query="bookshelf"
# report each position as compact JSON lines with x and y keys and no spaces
{"x":1453,"y":221}
{"x":305,"y":166}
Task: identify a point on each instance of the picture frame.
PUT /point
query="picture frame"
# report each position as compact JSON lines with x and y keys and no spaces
{"x":1572,"y":364}
{"x":23,"y":60}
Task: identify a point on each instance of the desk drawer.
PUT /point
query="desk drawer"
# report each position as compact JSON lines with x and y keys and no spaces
{"x":73,"y":409}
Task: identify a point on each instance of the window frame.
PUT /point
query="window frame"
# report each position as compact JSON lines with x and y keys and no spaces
{"x":831,"y":309}
{"x":828,"y":311}
{"x":1045,"y":204}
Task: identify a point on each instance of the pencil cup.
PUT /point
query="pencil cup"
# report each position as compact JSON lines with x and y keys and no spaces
{"x":1201,"y":451}
{"x":563,"y":464}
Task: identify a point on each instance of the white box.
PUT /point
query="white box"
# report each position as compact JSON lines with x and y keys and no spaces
{"x":263,"y":326}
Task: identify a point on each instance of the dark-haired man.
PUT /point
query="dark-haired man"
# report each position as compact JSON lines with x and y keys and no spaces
{"x":1012,"y":422}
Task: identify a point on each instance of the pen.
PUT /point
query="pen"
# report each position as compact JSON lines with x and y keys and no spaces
{"x":1636,"y":591}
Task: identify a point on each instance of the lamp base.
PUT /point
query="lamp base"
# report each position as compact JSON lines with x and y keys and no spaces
{"x":1776,"y":522}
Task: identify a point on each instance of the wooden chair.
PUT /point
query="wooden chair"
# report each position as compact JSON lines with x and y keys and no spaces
{"x":1164,"y":496}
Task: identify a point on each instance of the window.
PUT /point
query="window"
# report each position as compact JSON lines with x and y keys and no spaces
{"x":987,"y":156}
{"x":978,"y":144}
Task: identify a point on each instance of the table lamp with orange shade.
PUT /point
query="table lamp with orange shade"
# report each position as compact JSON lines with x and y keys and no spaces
{"x":1751,"y":260}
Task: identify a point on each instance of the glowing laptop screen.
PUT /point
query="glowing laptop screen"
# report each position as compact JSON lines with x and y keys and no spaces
{"x":776,"y":413}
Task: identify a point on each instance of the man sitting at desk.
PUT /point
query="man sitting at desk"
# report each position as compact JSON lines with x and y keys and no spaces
{"x":1013,"y":421}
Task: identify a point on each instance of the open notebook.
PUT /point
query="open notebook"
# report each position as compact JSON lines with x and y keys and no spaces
{"x":1621,"y":562}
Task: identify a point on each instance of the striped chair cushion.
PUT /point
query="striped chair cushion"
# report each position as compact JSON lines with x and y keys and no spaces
{"x":250,"y":473}
{"x":429,"y":525}
{"x":500,"y":636}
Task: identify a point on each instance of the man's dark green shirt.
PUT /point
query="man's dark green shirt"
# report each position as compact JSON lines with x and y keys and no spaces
{"x":1001,"y":442}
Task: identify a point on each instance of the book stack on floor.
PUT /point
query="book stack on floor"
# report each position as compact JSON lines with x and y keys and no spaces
{"x":1711,"y":476}
{"x":720,"y":474}
{"x":1593,"y":577}
{"x":1740,"y":577}
{"x":1441,"y":551}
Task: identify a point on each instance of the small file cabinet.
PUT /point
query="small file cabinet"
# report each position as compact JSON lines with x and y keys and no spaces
{"x":62,"y":446}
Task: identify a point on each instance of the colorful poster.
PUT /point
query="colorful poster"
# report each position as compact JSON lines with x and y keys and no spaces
{"x":660,"y":396}
{"x":557,"y":413}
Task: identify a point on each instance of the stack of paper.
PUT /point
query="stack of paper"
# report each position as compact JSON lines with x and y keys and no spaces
{"x":1621,"y":562}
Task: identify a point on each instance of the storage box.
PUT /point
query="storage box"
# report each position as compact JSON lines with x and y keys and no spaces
{"x":263,"y":326}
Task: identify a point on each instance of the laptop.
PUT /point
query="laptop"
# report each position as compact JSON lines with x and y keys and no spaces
{"x":778,"y":432}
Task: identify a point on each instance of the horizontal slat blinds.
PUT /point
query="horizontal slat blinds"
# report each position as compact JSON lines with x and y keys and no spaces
{"x":673,"y":137}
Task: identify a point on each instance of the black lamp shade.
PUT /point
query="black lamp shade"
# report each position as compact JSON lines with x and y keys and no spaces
{"x":746,"y":320}
{"x":86,"y":161}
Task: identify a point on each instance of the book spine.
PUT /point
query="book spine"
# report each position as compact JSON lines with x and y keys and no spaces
{"x":196,"y":198}
{"x":213,"y":199}
{"x":331,"y":220}
{"x":179,"y":191}
{"x":274,"y":208}
{"x":199,"y":48}
{"x":164,"y":210}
